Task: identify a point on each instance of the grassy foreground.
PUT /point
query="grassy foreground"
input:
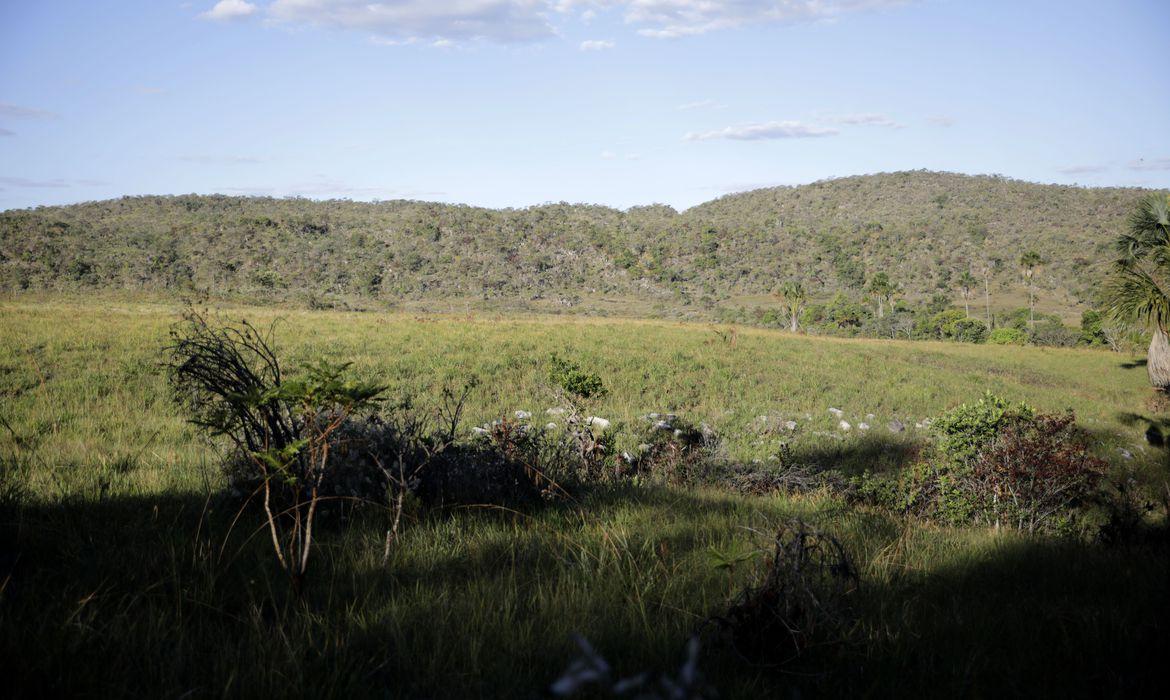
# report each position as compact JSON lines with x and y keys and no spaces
{"x":120,"y":574}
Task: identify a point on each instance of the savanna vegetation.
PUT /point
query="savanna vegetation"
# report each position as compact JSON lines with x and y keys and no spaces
{"x":383,"y":504}
{"x":879,"y":255}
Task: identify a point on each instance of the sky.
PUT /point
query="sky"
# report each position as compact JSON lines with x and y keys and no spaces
{"x":511,"y":103}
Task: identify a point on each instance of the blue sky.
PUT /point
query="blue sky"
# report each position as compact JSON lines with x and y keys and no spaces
{"x":619,"y":102}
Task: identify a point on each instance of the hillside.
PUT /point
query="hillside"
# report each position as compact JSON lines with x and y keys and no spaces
{"x":922,"y":228}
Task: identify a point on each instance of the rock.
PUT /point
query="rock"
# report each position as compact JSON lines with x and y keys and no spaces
{"x":1126,"y":454}
{"x":790,"y":425}
{"x":844,"y":425}
{"x":707,"y":431}
{"x":550,"y":426}
{"x":555,"y":411}
{"x":477,"y":430}
{"x":599,"y":423}
{"x":663,"y":425}
{"x":523,"y":415}
{"x":863,"y":426}
{"x":896,"y":426}
{"x":869,"y":416}
{"x":837,"y":413}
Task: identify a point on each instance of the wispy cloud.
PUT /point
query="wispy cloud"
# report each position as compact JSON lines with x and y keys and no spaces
{"x":226,"y":10}
{"x":1150,"y":164}
{"x":1082,"y":169}
{"x":941,"y":120}
{"x":18,"y":112}
{"x":763,"y":131}
{"x":6,"y":132}
{"x":701,"y":104}
{"x":865,"y":120}
{"x":56,"y":183}
{"x":596,"y":45}
{"x":668,"y":19}
{"x":329,"y":187}
{"x":220,"y":160}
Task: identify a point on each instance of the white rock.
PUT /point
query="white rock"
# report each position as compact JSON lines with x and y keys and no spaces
{"x":523,"y":415}
{"x":550,"y":426}
{"x":863,"y":426}
{"x":791,"y":425}
{"x":844,"y":425}
{"x":869,"y":416}
{"x":1125,"y":453}
{"x":896,"y":426}
{"x":555,"y":411}
{"x":477,"y":430}
{"x":837,"y":413}
{"x":599,"y":423}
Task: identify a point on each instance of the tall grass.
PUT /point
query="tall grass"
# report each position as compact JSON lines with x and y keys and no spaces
{"x":122,"y":572}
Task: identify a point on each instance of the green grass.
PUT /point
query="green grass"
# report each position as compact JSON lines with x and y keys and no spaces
{"x":121,"y":574}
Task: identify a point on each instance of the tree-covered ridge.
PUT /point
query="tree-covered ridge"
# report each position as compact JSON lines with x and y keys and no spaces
{"x":924,"y":230}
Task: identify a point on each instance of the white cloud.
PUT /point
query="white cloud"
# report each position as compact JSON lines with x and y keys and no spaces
{"x":1082,"y":169}
{"x":18,"y":112}
{"x":229,"y":10}
{"x":762,"y":131}
{"x":1151,"y":164}
{"x":511,"y":21}
{"x":596,"y":45}
{"x":503,"y":21}
{"x":6,"y":132}
{"x":866,"y":120}
{"x":608,"y":155}
{"x":941,"y":120}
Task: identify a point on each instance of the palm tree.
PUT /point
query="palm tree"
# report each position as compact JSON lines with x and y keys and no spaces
{"x":1029,"y":261}
{"x":1139,"y":290}
{"x":987,"y":269}
{"x":966,"y":286}
{"x":793,"y":298}
{"x":883,"y":289}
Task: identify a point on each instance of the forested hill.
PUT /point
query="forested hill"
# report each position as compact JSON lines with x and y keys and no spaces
{"x":922,"y":228}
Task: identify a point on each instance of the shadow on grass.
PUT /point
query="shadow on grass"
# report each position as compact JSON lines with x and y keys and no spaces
{"x":131,"y":596}
{"x":1134,"y":364}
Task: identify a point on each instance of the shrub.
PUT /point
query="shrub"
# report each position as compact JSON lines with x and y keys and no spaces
{"x":230,"y":380}
{"x":570,"y":378}
{"x":1055,"y":334}
{"x":965,"y":330}
{"x":964,"y":430}
{"x":674,"y":451}
{"x":1034,"y":472}
{"x":1000,"y":464}
{"x":802,"y":600}
{"x":1007,"y":336}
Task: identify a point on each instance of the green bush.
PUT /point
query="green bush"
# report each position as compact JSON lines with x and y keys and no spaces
{"x":568,"y":376}
{"x":1007,"y":336}
{"x":964,"y":430}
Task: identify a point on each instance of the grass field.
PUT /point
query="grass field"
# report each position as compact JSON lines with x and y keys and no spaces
{"x":121,"y":574}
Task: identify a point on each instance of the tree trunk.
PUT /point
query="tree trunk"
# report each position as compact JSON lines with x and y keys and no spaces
{"x":793,"y":321}
{"x":987,"y":300}
{"x":1158,"y":360}
{"x":881,"y":309}
{"x":967,"y":304}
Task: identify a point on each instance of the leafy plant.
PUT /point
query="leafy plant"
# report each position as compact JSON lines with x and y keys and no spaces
{"x":570,"y":378}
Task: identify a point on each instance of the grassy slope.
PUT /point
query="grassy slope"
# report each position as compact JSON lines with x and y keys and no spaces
{"x":123,"y":582}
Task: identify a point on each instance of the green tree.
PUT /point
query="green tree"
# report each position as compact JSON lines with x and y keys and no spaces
{"x":1029,"y":261}
{"x":793,"y":299}
{"x":883,"y":290}
{"x":1138,"y":291}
